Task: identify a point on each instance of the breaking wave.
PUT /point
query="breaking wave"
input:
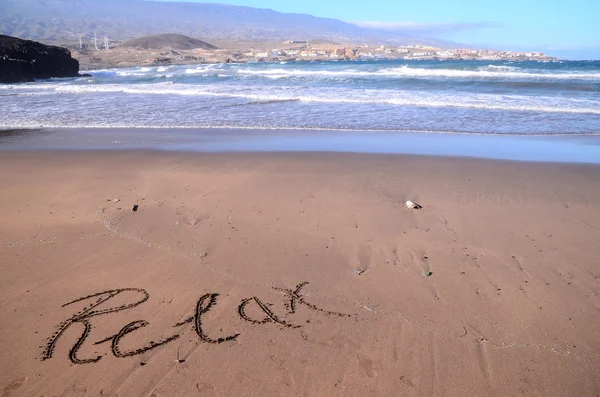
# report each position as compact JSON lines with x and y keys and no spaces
{"x":266,"y":95}
{"x":467,"y":96}
{"x":494,"y":72}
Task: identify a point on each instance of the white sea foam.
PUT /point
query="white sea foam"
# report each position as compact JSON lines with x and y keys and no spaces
{"x":309,"y":95}
{"x":491,"y":72}
{"x":28,"y":124}
{"x":259,"y":93}
{"x":196,"y":71}
{"x":499,"y":68}
{"x":214,"y":68}
{"x":411,"y":72}
{"x":128,"y":74}
{"x":133,"y":72}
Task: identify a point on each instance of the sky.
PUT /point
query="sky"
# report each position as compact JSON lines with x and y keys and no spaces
{"x":557,"y":27}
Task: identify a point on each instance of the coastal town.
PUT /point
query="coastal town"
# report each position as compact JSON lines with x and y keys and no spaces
{"x":177,"y":49}
{"x":318,"y":50}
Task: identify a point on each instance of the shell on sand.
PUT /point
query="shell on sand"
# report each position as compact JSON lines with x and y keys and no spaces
{"x":413,"y":205}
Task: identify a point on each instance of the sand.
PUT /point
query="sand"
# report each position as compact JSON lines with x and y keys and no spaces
{"x":510,"y":308}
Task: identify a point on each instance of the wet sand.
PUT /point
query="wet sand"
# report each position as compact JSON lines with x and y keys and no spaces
{"x":326,"y":283}
{"x":569,"y":148}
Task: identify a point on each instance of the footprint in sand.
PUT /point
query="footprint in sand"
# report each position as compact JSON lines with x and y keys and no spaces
{"x":205,"y":389}
{"x":366,"y":366}
{"x":11,"y":389}
{"x":361,"y":258}
{"x":421,"y":260}
{"x":174,"y":230}
{"x":517,"y":262}
{"x":415,"y":261}
{"x":469,"y":262}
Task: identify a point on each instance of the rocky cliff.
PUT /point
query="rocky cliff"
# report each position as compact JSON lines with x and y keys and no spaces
{"x":25,"y":60}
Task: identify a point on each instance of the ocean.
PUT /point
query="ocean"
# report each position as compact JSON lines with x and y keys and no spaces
{"x":463,"y":97}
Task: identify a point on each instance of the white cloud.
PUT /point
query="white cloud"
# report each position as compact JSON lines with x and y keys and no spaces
{"x":420,"y":28}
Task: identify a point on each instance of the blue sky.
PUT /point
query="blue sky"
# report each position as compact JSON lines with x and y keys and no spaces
{"x":558,"y":27}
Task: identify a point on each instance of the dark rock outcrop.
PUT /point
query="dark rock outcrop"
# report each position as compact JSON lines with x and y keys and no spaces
{"x":25,"y":60}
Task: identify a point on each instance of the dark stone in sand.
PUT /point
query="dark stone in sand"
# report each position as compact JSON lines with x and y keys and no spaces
{"x":25,"y":60}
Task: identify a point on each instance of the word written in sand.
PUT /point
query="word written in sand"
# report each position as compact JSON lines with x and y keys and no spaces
{"x":96,"y":308}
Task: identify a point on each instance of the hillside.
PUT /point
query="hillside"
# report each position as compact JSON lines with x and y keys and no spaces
{"x":127,"y":19}
{"x":172,"y":41}
{"x":321,"y":42}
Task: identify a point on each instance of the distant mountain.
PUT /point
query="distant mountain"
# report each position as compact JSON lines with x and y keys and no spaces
{"x":321,"y":42}
{"x":126,"y":19}
{"x":172,"y":41}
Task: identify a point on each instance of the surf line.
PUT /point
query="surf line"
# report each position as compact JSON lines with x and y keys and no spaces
{"x":95,"y":307}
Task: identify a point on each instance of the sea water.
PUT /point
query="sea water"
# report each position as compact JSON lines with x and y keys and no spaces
{"x":477,"y":97}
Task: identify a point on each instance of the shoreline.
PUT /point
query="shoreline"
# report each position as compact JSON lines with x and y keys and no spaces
{"x":534,"y":148}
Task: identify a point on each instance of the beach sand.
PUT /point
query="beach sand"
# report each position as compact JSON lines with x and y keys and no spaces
{"x":492,"y":289}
